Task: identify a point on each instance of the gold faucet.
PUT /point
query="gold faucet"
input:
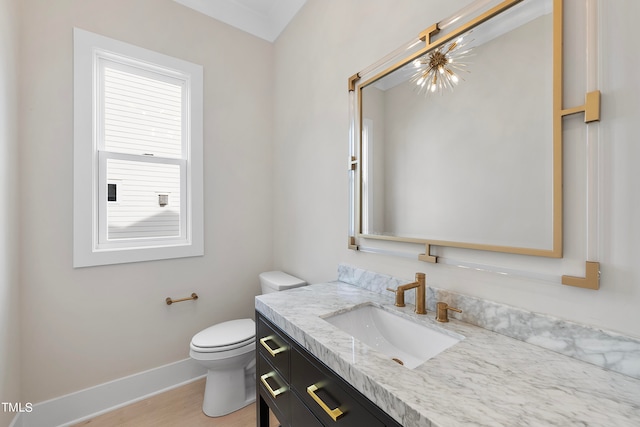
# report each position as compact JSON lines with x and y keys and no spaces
{"x":421,"y":293}
{"x":442,"y":311}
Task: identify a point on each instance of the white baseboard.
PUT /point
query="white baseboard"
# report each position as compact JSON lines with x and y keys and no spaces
{"x":16,"y":422}
{"x":84,"y":404}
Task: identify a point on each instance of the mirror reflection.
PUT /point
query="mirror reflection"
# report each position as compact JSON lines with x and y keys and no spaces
{"x":471,"y":161}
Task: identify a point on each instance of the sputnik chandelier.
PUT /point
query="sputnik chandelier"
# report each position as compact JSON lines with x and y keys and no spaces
{"x":440,"y":68}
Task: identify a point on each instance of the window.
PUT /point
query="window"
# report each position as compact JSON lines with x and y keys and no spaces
{"x":137,"y":154}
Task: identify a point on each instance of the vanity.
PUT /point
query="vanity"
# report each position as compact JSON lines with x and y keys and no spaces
{"x":302,"y":391}
{"x":485,"y":378}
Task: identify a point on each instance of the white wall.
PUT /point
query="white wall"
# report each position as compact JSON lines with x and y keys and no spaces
{"x":82,"y":327}
{"x":9,"y":290}
{"x":331,"y":40}
{"x":327,"y":42}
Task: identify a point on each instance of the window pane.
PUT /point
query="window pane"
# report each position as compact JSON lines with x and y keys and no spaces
{"x":142,"y":115}
{"x":148,"y":200}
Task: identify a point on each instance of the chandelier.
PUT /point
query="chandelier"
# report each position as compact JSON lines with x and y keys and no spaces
{"x":440,"y":68}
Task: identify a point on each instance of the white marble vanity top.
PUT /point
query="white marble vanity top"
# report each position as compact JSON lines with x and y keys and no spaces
{"x":487,"y":379}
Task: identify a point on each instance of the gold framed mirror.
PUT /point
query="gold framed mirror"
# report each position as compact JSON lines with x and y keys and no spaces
{"x":476,"y":164}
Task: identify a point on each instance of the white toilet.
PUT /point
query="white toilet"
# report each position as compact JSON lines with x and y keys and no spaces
{"x":227,"y":350}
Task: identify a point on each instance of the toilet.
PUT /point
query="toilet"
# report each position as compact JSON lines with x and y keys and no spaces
{"x":227,"y":350}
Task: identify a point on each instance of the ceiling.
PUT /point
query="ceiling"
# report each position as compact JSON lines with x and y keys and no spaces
{"x":262,"y":18}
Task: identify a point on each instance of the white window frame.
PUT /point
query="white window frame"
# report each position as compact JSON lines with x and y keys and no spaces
{"x":90,"y":246}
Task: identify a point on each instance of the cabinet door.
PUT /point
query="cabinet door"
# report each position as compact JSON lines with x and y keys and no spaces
{"x":332,"y":404}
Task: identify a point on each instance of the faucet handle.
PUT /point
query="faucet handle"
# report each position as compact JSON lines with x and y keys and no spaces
{"x":399,"y":297}
{"x":442,"y":311}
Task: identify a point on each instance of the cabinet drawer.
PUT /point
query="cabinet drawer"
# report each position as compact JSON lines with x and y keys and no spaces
{"x":274,"y":390}
{"x":274,"y":348}
{"x":328,"y":400}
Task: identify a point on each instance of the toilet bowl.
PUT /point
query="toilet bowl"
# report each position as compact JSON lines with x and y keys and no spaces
{"x":227,"y":350}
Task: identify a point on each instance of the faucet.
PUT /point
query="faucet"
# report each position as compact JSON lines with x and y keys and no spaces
{"x":442,"y":311}
{"x":421,"y":293}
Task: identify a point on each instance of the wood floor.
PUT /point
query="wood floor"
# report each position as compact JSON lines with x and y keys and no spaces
{"x":181,"y":406}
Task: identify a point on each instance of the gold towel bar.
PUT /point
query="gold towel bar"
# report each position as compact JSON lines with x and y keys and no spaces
{"x":171,"y":301}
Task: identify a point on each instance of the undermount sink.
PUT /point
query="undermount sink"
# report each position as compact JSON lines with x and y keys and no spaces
{"x":406,"y":342}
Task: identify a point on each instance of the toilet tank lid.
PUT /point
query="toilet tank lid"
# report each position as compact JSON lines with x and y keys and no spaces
{"x":281,"y":280}
{"x":225,"y":333}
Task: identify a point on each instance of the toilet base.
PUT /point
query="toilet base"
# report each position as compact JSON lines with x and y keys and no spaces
{"x":227,"y":391}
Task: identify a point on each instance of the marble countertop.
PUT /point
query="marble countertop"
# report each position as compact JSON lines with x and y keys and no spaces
{"x":487,"y":379}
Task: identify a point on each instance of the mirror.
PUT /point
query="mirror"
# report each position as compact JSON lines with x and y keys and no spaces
{"x":475,"y":165}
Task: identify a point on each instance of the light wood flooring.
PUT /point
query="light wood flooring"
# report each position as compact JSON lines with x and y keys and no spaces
{"x":181,"y":406}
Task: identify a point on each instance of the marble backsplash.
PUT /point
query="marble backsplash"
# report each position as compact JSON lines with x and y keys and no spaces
{"x":606,"y":349}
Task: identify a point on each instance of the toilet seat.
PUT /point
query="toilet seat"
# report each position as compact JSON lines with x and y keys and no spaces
{"x":222,"y":348}
{"x":225,"y":336}
{"x":206,"y":354}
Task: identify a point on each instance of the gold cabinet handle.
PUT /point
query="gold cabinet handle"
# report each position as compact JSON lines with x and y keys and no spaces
{"x":333,"y":413}
{"x":274,"y":393}
{"x":271,"y":351}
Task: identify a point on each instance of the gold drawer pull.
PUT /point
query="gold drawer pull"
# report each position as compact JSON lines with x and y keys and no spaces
{"x":271,"y":351}
{"x":273,"y":392}
{"x":333,"y":413}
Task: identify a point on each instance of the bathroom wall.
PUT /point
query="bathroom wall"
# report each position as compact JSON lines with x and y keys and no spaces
{"x":330,"y":40}
{"x":82,"y":327}
{"x":9,"y":290}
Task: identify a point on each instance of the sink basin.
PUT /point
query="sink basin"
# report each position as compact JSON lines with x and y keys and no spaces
{"x":406,"y":342}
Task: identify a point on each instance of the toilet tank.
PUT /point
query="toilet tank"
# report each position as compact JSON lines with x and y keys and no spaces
{"x":276,"y":281}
